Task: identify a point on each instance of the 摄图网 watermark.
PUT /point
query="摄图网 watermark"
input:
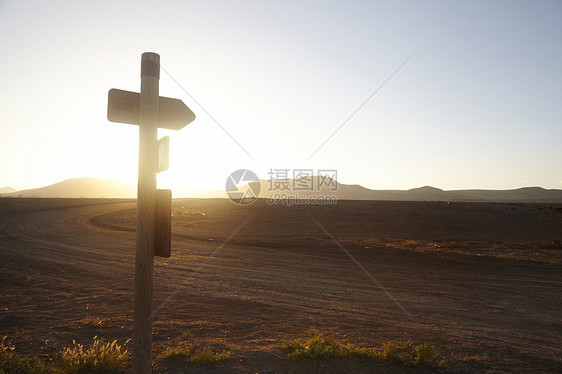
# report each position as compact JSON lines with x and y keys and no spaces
{"x":284,"y":187}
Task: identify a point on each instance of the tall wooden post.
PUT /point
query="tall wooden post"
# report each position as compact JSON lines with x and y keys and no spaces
{"x":149,"y":111}
{"x":146,"y":212}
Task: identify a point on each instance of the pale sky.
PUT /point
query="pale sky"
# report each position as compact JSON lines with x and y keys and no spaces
{"x":479,"y":105}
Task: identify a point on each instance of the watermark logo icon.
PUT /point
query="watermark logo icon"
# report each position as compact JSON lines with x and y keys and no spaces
{"x":284,"y":187}
{"x":243,"y":186}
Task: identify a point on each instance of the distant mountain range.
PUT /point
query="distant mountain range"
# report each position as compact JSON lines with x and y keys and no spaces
{"x":109,"y":188}
{"x":97,"y":188}
{"x":427,"y":193}
{"x":79,"y":187}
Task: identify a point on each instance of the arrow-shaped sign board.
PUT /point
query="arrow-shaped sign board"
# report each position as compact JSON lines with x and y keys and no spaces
{"x":124,"y":107}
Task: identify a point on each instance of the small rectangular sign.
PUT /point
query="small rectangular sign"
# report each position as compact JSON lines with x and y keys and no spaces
{"x":163,"y":234}
{"x":163,"y":154}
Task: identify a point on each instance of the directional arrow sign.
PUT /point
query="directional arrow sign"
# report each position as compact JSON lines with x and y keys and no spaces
{"x":124,"y":107}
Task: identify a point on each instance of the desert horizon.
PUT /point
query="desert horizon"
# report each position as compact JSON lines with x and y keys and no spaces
{"x":88,"y":187}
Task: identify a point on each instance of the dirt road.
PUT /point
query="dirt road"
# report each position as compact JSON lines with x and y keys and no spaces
{"x":482,"y":282}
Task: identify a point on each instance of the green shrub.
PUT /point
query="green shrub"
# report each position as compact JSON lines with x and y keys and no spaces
{"x":196,"y":354}
{"x":408,"y":353}
{"x":320,"y":345}
{"x":424,"y":353}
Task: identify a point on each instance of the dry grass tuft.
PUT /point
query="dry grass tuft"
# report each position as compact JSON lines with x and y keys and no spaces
{"x":95,"y":322}
{"x":195,"y":354}
{"x":100,"y":357}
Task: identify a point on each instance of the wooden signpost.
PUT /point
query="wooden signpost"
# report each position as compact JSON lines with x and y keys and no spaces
{"x":153,"y":230}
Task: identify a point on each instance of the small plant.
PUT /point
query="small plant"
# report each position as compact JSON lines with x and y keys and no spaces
{"x":196,"y":354}
{"x":13,"y":363}
{"x":95,"y":322}
{"x":6,"y":349}
{"x":206,"y":356}
{"x":100,"y":357}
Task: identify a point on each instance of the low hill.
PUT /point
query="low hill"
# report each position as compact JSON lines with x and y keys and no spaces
{"x":81,"y":188}
{"x":7,"y":190}
{"x":102,"y":188}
